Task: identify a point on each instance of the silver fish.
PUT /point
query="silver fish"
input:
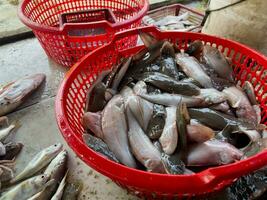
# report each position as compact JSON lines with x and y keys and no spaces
{"x":114,"y":128}
{"x":92,"y":121}
{"x":217,"y":61}
{"x":13,"y":94}
{"x":142,"y":148}
{"x":192,"y":68}
{"x":167,"y":99}
{"x":169,"y":136}
{"x":38,"y":162}
{"x":56,"y":169}
{"x":26,"y":189}
{"x":237,"y":99}
{"x":212,"y":152}
{"x":60,"y":190}
{"x":141,"y":109}
{"x":47,"y":192}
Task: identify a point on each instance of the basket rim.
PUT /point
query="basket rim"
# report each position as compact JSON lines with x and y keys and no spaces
{"x":205,"y":179}
{"x":45,"y":28}
{"x":177,"y":5}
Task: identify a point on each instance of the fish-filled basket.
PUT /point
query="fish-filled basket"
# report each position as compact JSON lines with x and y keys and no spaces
{"x":175,"y":17}
{"x":69,"y":29}
{"x":70,"y":104}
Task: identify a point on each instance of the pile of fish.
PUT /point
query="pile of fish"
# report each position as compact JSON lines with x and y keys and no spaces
{"x":30,"y":184}
{"x":44,"y":177}
{"x":171,"y":22}
{"x":167,"y":110}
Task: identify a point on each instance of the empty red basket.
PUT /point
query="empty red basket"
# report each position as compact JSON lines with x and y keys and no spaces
{"x":70,"y":103}
{"x":69,"y":29}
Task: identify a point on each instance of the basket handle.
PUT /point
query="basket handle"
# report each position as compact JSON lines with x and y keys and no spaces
{"x":214,"y":176}
{"x":86,"y":23}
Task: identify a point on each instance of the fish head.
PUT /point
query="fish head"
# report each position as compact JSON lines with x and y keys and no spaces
{"x":41,"y":179}
{"x":54,"y":149}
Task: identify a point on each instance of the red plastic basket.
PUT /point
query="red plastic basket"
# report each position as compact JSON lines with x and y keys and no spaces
{"x":175,"y":10}
{"x":70,"y":103}
{"x":69,"y":29}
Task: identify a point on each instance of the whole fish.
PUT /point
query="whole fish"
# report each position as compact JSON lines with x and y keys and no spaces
{"x":215,"y":119}
{"x":142,"y":148}
{"x":192,"y":68}
{"x":14,"y":94}
{"x":26,"y":189}
{"x":212,"y":152}
{"x":114,"y":128}
{"x":99,"y":146}
{"x":168,"y":84}
{"x":47,"y":192}
{"x":217,"y":61}
{"x":141,"y":109}
{"x":38,"y":162}
{"x":92,"y":121}
{"x":169,"y":136}
{"x":59,"y":193}
{"x":12,"y":150}
{"x":199,"y":133}
{"x":237,"y":99}
{"x":167,"y":99}
{"x":156,"y":122}
{"x":58,"y":166}
{"x":72,"y":191}
{"x":5,"y":132}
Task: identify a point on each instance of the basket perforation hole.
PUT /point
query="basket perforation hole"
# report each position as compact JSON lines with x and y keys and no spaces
{"x":71,"y":93}
{"x":263,"y":75}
